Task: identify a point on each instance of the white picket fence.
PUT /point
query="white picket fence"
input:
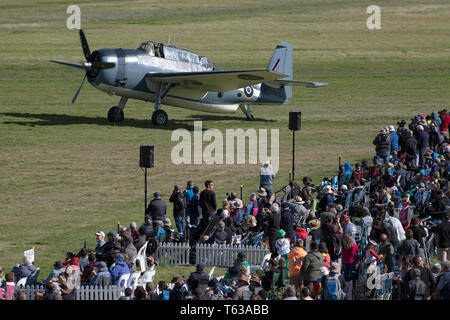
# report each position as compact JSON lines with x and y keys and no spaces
{"x":222,"y":255}
{"x":173,"y":253}
{"x":83,"y":293}
{"x":98,"y":293}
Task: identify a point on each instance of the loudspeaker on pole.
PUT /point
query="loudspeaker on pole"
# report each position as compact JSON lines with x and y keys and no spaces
{"x":146,"y":159}
{"x":295,"y":120}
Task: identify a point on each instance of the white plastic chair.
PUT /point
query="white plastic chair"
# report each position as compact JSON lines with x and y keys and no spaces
{"x":133,"y":280}
{"x":21,"y":283}
{"x":265,"y":261}
{"x":123,"y":280}
{"x":142,"y":258}
{"x":148,"y":276}
{"x":211,"y":272}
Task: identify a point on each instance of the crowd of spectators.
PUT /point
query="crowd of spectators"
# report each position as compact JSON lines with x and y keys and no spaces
{"x":390,"y":218}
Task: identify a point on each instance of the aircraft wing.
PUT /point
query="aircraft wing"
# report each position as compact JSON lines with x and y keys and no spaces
{"x":215,"y":80}
{"x":308,"y":84}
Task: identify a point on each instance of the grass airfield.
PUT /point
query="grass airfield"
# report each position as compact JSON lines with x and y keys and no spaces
{"x":65,"y":172}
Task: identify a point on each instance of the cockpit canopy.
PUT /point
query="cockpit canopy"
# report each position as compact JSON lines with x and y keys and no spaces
{"x":175,"y":53}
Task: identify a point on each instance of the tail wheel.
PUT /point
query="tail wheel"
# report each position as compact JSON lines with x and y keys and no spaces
{"x":115,"y":114}
{"x":160,"y":118}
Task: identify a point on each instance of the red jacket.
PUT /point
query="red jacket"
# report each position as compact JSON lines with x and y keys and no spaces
{"x":302,"y":233}
{"x":445,"y":122}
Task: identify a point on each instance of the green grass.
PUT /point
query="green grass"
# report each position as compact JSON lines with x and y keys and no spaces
{"x":65,"y":172}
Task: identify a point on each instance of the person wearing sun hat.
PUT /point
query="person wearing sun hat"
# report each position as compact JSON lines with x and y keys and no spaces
{"x":282,"y":244}
{"x":242,"y":285}
{"x":180,"y":289}
{"x":314,"y":226}
{"x":58,"y":269}
{"x":394,"y":135}
{"x":266,"y":176}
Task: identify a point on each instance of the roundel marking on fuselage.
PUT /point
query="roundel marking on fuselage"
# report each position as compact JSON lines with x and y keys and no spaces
{"x":248,"y":92}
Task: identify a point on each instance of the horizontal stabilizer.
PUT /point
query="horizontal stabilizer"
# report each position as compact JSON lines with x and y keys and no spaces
{"x":308,"y":84}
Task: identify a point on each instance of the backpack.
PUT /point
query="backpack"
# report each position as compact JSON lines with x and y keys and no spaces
{"x":337,"y":245}
{"x":161,"y":235}
{"x":164,"y":295}
{"x":333,"y":289}
{"x":254,"y":210}
{"x":418,"y":290}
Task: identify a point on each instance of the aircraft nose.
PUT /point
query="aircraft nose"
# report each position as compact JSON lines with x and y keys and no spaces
{"x":103,"y":67}
{"x":99,"y":62}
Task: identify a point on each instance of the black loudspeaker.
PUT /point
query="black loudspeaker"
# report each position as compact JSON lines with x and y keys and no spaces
{"x":295,"y":120}
{"x":146,"y":156}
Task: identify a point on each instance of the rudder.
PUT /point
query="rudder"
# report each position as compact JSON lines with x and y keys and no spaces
{"x":281,"y":62}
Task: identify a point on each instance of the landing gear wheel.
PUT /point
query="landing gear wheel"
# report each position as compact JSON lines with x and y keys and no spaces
{"x":160,"y":118}
{"x":115,"y":114}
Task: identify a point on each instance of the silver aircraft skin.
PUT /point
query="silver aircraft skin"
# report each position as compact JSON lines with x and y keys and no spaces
{"x":163,"y":73}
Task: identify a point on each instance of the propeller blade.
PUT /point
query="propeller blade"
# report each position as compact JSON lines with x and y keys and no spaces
{"x":70,"y":64}
{"x":103,"y":65}
{"x":79,"y":88}
{"x":85,"y":46}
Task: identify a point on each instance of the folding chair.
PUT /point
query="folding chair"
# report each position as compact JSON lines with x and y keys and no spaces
{"x":148,"y":276}
{"x":211,"y":272}
{"x":31,"y":280}
{"x":123,"y":280}
{"x":265,"y":261}
{"x":21,"y":283}
{"x":133,"y":280}
{"x":142,"y":258}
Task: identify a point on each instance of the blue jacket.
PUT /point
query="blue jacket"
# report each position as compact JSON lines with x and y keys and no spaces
{"x":117,"y":271}
{"x":188,"y":194}
{"x":394,"y":144}
{"x":422,"y":140}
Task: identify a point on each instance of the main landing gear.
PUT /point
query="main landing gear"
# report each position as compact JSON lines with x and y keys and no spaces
{"x":247,"y":111}
{"x":115,"y":114}
{"x":159,"y":117}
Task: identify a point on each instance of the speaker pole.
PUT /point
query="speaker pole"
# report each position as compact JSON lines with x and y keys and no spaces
{"x":145,"y":189}
{"x":339,"y":168}
{"x":293,"y":155}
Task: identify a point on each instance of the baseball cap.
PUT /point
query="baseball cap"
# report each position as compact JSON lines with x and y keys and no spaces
{"x":100,"y":233}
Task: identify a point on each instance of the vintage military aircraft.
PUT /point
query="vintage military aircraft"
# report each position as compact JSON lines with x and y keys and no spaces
{"x":178,"y":77}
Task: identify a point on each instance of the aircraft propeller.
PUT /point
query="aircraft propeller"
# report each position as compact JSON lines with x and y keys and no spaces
{"x":92,"y":63}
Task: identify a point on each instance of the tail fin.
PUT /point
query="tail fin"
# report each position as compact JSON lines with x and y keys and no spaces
{"x":281,"y":62}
